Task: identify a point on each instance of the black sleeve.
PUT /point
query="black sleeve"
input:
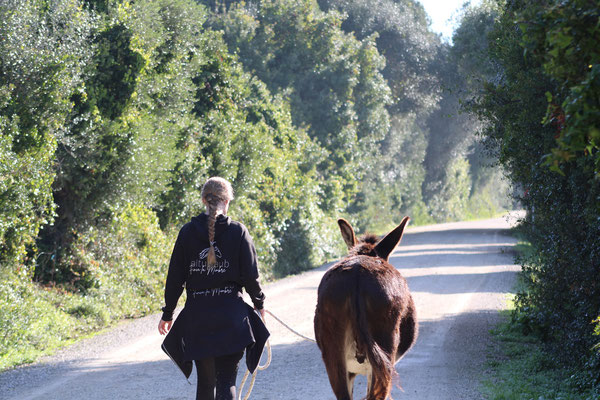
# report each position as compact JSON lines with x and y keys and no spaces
{"x":249,"y":271}
{"x":175,"y":279}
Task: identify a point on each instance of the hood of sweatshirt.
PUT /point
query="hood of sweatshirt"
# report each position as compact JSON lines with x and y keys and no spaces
{"x":200,"y":222}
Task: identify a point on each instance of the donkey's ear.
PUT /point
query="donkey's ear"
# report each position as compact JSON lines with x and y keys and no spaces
{"x":386,"y":245}
{"x":347,"y":233}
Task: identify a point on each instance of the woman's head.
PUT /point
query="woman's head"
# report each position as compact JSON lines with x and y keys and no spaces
{"x":216,"y":195}
{"x":217,"y":192}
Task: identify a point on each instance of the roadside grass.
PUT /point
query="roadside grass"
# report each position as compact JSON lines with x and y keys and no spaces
{"x":125,"y":264}
{"x":37,"y":321}
{"x":520,"y":368}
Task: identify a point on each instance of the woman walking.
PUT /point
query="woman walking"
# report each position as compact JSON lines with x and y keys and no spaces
{"x":214,"y":258}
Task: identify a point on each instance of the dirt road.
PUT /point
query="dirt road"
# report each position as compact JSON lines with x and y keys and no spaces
{"x":459,"y":275}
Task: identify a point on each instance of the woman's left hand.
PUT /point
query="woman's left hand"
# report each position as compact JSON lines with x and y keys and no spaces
{"x":164,"y":326}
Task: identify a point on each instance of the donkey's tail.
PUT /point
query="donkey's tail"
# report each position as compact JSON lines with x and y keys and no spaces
{"x":381,"y":362}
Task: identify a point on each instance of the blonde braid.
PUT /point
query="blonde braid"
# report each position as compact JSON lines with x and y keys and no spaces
{"x":211,"y":259}
{"x":216,"y":191}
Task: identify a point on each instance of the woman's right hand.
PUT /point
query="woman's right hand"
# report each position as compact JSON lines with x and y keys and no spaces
{"x":164,"y":326}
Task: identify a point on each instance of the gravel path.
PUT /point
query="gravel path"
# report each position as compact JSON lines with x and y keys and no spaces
{"x":459,"y":274}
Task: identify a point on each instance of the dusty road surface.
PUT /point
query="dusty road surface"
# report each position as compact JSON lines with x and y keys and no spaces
{"x":459,"y":274}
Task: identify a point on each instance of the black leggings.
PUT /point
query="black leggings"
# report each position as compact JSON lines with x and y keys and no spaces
{"x":220,"y":372}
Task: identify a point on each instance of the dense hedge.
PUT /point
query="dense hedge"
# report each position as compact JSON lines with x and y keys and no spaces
{"x":543,"y":114}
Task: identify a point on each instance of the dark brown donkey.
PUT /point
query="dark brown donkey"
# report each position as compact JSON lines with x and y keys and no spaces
{"x":365,"y":318}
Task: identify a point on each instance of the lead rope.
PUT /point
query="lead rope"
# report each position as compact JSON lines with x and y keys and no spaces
{"x":269,"y":358}
{"x":289,"y":328}
{"x":258,"y":368}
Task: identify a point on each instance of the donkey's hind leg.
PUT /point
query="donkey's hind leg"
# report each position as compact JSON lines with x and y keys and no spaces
{"x":339,"y":378}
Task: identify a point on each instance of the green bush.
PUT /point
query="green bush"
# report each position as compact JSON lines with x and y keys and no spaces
{"x":25,"y":193}
{"x":522,"y":370}
{"x":541,"y":121}
{"x":126,"y":262}
{"x":30,"y":322}
{"x":42,"y":51}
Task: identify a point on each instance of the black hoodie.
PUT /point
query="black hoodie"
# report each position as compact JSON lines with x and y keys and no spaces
{"x":214,"y":320}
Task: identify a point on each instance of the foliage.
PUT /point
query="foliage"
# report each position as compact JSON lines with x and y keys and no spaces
{"x":490,"y":193}
{"x":521,"y":369}
{"x":155,"y":83}
{"x":409,"y":47}
{"x":332,"y":80}
{"x":450,"y":203}
{"x":427,"y":79}
{"x":30,"y":322}
{"x":411,"y":53}
{"x":25,"y":193}
{"x":120,"y":129}
{"x":125,"y":262}
{"x":392,"y":187}
{"x":564,"y":37}
{"x":41,"y":59}
{"x":464,"y":68}
{"x":42,"y":53}
{"x":562,"y":293}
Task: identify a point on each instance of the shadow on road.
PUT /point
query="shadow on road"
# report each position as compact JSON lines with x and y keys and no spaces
{"x":452,"y":352}
{"x":459,"y":283}
{"x":87,"y":379}
{"x":417,"y":236}
{"x":450,"y":259}
{"x":454,"y":248}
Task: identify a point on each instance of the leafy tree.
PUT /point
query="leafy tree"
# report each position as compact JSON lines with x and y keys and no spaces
{"x":94,"y":150}
{"x":561,"y":299}
{"x":564,"y":37}
{"x":332,"y":80}
{"x":120,"y":147}
{"x":404,"y":39}
{"x":401,"y":33}
{"x":25,"y":193}
{"x":451,"y":135}
{"x":42,"y":53}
